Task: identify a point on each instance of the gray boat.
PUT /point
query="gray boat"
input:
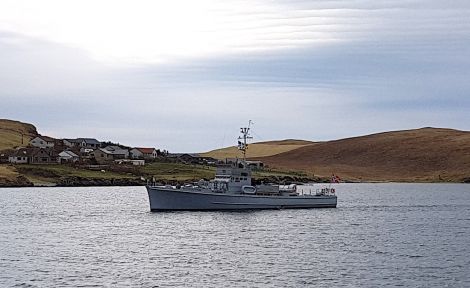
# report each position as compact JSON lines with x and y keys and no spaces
{"x":231,"y":189}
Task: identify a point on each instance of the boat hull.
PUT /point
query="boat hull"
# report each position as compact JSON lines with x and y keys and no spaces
{"x":169,"y":199}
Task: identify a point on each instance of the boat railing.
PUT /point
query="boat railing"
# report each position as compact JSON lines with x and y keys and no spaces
{"x":310,"y":190}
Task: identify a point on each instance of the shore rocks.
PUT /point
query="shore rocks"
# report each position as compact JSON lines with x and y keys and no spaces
{"x":19,"y":181}
{"x":80,"y":181}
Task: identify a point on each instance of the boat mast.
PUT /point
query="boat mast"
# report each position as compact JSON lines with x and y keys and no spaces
{"x":243,"y":146}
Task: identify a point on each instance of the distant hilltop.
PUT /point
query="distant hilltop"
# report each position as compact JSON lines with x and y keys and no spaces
{"x":426,"y":154}
{"x":15,"y":133}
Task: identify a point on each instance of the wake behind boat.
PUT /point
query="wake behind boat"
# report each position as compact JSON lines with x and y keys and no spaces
{"x":231,"y":189}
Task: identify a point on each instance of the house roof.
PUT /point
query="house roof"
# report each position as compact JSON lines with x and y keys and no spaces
{"x":90,"y":140}
{"x":73,"y":140}
{"x":145,"y":150}
{"x":32,"y":151}
{"x":114,"y":150}
{"x":194,"y":155}
{"x":49,"y":151}
{"x":46,"y":138}
{"x":87,"y":140}
{"x":22,"y":152}
{"x":104,"y":151}
{"x":70,"y":153}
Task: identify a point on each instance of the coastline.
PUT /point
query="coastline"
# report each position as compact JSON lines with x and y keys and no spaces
{"x":110,"y":182}
{"x":165,"y":173}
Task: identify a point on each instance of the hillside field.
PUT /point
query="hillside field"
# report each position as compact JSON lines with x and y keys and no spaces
{"x":11,"y":131}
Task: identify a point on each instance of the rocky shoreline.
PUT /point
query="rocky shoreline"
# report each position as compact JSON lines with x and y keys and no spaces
{"x":76,"y":181}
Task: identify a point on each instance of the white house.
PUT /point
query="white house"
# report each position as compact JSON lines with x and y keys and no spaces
{"x":82,"y":142}
{"x":20,"y":156}
{"x":110,"y":153}
{"x":71,"y":142}
{"x":90,"y":143}
{"x":118,"y":152}
{"x":143,"y":153}
{"x":42,"y":142}
{"x":67,"y":156}
{"x":102,"y":156}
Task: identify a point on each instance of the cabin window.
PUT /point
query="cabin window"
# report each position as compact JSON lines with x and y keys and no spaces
{"x":244,"y":174}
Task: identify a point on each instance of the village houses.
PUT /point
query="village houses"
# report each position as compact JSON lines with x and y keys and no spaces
{"x":143,"y":153}
{"x":43,"y":142}
{"x":68,"y":156}
{"x":47,"y":150}
{"x":33,"y":155}
{"x":109,"y":154}
{"x":90,"y":143}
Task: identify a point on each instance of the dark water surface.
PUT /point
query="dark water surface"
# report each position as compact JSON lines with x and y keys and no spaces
{"x":412,"y":235}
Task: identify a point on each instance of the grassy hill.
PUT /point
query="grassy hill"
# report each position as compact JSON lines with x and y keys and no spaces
{"x":11,"y":131}
{"x":261,"y":149}
{"x":427,"y":154}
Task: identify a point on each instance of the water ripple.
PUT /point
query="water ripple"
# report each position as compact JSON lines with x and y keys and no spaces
{"x":380,"y":235}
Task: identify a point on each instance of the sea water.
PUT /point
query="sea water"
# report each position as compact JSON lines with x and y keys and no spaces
{"x":412,"y":235}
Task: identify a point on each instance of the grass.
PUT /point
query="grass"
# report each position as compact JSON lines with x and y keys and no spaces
{"x":8,"y":172}
{"x":177,"y":171}
{"x":271,"y":172}
{"x":54,"y":171}
{"x":10,"y":133}
{"x":51,"y":174}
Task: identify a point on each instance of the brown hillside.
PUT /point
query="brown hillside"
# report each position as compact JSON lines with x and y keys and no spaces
{"x":260,"y":149}
{"x":10,"y":133}
{"x":427,"y":154}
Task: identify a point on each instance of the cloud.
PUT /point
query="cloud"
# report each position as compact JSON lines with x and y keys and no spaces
{"x":385,"y":65}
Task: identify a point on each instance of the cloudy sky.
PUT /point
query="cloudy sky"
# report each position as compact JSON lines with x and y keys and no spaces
{"x":185,"y":75}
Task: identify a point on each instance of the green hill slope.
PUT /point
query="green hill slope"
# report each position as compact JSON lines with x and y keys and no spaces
{"x":12,"y":132}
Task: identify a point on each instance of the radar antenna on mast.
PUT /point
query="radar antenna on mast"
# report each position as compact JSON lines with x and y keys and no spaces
{"x":242,"y":145}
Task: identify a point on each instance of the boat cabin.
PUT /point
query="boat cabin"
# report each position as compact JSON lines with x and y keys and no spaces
{"x":230,"y":178}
